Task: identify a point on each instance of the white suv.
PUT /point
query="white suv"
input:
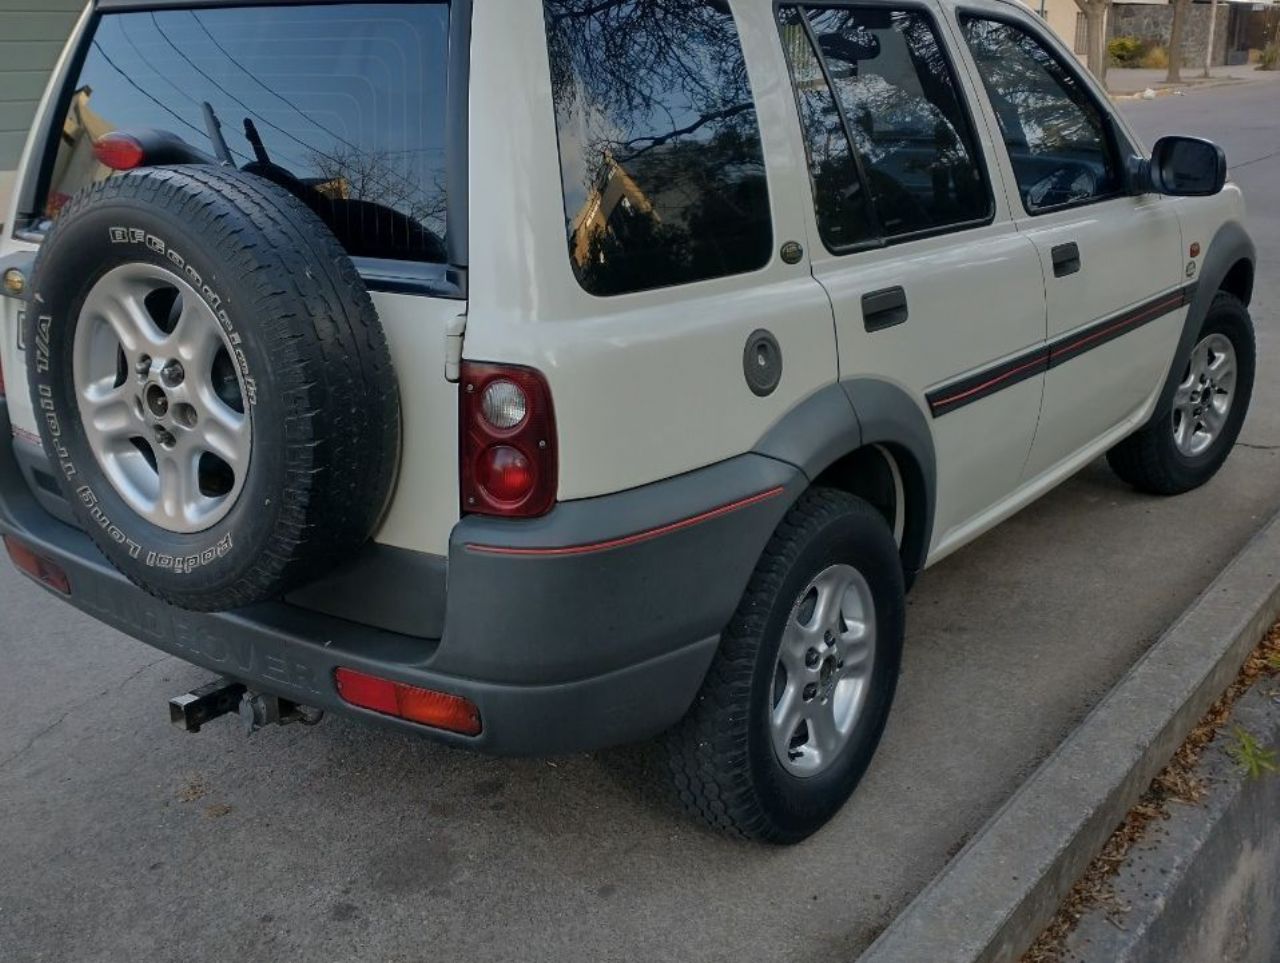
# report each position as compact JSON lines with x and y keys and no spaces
{"x":544,"y":375}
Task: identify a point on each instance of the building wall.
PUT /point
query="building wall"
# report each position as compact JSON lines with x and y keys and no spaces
{"x":32,"y":33}
{"x":1153,"y":24}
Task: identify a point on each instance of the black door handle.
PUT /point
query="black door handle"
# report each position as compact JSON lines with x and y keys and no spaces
{"x":1066,"y":260}
{"x":884,"y":309}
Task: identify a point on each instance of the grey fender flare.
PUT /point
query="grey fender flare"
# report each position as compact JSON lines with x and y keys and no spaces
{"x":856,"y":413}
{"x":1230,"y":245}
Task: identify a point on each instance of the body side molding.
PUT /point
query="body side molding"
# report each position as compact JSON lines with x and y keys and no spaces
{"x":987,"y":380}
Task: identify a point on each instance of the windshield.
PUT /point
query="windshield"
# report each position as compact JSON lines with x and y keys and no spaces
{"x":342,"y":104}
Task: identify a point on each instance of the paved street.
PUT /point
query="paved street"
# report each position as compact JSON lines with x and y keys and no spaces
{"x":121,"y":838}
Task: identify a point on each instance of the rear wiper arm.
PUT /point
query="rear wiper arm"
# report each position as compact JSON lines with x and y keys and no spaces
{"x":214,"y":127}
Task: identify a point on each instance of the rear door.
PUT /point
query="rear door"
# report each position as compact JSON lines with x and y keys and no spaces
{"x":934,"y":289}
{"x":349,"y":106}
{"x":1112,"y":262}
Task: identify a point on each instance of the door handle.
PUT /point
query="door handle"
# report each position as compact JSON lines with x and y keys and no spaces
{"x":1066,"y":260}
{"x":884,"y":309}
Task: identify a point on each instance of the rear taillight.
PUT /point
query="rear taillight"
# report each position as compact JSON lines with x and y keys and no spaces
{"x":43,"y":570}
{"x":508,"y":435}
{"x":120,"y":152}
{"x":440,"y":710}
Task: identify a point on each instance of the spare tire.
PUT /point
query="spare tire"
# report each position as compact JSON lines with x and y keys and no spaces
{"x":213,"y":387}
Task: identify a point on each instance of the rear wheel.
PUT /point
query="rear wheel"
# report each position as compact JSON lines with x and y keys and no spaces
{"x":1190,"y":437}
{"x":797,"y":697}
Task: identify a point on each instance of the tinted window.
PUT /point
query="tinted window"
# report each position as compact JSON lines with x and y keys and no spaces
{"x":843,"y":208}
{"x":664,"y":179}
{"x":1054,"y":131}
{"x":897,"y":100}
{"x":348,"y":103}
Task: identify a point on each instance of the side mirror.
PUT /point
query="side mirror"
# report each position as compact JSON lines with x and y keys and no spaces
{"x":1187,"y":167}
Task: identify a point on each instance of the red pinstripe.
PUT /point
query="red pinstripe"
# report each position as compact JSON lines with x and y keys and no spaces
{"x":627,"y":540}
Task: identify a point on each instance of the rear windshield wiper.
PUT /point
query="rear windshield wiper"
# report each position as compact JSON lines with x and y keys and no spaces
{"x":214,"y":127}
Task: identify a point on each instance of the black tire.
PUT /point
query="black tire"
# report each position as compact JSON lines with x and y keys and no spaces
{"x":1150,"y":460}
{"x":306,"y":350}
{"x":721,"y":755}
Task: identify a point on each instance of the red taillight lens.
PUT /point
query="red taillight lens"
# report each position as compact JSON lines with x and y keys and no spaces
{"x":38,"y":567}
{"x":118,"y":151}
{"x":505,"y":474}
{"x":508,"y":435}
{"x":440,"y":710}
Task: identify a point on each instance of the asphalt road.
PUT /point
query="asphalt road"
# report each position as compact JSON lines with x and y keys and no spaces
{"x":121,"y":838}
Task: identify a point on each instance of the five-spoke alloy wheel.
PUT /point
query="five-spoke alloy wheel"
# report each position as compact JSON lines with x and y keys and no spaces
{"x":1202,"y":403}
{"x":823,"y":670}
{"x":160,"y":398}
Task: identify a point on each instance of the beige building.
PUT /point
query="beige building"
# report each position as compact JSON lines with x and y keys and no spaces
{"x":31,"y":37}
{"x":1064,"y":18}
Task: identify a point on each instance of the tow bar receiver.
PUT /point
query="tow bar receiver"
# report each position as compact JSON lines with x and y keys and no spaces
{"x":223,"y":697}
{"x":195,"y":708}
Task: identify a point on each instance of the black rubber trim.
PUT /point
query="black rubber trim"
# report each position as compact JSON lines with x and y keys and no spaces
{"x":1100,"y":332}
{"x":982,"y":384}
{"x":988,"y":381}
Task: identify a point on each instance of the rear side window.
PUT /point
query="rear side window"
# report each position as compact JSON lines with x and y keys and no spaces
{"x":883,"y":123}
{"x":343,"y":104}
{"x":1054,"y":131}
{"x":661,"y":159}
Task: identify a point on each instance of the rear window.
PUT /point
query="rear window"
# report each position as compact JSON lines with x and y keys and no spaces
{"x":342,"y":104}
{"x":662,"y":164}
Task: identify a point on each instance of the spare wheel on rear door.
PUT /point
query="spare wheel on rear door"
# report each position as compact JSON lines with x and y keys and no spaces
{"x":213,"y":387}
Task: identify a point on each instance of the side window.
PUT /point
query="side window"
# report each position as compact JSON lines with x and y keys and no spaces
{"x":1054,"y":131}
{"x":660,"y":152}
{"x":891,"y":150}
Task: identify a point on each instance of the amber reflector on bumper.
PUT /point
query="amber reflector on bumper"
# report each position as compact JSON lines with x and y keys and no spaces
{"x":37,"y":566}
{"x":440,"y":710}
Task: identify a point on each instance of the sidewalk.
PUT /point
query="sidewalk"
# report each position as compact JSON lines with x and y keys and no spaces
{"x":1134,"y":80}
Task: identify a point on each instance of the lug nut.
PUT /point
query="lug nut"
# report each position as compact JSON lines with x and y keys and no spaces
{"x":811,"y":658}
{"x":810,"y":692}
{"x":143,"y":367}
{"x":172,"y":374}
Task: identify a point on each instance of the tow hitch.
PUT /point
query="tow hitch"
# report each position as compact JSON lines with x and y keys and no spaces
{"x":222,"y":697}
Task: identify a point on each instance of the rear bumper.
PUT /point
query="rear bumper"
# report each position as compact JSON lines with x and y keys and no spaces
{"x":588,"y":628}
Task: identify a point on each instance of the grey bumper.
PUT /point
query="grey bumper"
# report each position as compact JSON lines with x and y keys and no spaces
{"x":591,"y":627}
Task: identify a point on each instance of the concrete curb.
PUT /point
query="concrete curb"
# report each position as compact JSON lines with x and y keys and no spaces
{"x":995,"y":897}
{"x":1205,"y":885}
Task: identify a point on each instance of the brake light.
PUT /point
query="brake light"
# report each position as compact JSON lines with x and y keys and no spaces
{"x":120,"y":152}
{"x":440,"y":710}
{"x":43,"y":570}
{"x":508,"y":440}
